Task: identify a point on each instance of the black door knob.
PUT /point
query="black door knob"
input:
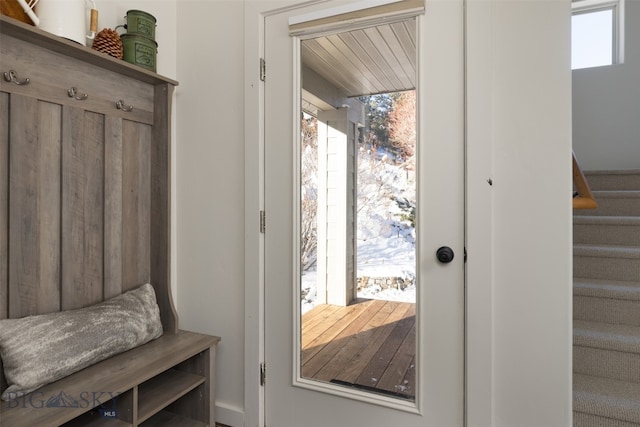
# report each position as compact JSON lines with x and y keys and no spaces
{"x":445,"y":254}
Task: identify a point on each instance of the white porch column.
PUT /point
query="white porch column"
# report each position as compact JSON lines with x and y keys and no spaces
{"x":336,"y":207}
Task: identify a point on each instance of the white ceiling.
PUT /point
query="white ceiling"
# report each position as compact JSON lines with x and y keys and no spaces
{"x":367,"y":61}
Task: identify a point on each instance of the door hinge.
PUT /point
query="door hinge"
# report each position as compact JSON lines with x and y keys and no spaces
{"x":263,"y":373}
{"x":465,"y":254}
{"x":263,"y":221}
{"x":263,"y":69}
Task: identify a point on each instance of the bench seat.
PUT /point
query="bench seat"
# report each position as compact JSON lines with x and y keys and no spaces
{"x":127,"y":389}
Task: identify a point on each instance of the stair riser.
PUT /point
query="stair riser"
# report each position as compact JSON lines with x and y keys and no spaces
{"x":613,"y":182}
{"x":616,"y":311}
{"x":587,"y":420}
{"x":599,"y":362}
{"x":606,"y":268}
{"x":613,"y":206}
{"x":594,"y":234}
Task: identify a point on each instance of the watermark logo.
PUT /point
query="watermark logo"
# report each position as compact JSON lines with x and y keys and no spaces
{"x":105,"y":403}
{"x":62,"y":400}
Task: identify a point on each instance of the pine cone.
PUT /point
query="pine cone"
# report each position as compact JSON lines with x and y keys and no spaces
{"x":108,"y":41}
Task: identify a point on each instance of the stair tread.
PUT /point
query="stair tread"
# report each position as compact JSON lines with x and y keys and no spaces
{"x":606,"y":251}
{"x":606,"y":220}
{"x":612,"y":289}
{"x":609,"y":336}
{"x":613,"y":172}
{"x":616,"y":194}
{"x":605,"y":397}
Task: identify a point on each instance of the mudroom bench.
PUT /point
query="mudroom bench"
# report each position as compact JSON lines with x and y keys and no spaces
{"x":166,"y":382}
{"x":85,"y":217}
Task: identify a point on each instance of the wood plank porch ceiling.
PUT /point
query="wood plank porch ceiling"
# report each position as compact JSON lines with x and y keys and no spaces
{"x":367,"y":61}
{"x":369,"y":345}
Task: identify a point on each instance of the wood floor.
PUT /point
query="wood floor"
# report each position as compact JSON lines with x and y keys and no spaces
{"x":368,"y":345}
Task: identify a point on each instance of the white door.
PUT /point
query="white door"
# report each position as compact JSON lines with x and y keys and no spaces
{"x":438,"y":401}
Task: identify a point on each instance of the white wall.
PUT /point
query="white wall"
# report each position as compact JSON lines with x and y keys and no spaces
{"x":210,"y":186}
{"x":532,"y":282}
{"x":606,"y":106}
{"x":519,"y":270}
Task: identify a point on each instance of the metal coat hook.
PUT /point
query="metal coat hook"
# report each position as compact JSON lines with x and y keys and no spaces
{"x":12,"y":77}
{"x":120,"y":105}
{"x":73,"y":93}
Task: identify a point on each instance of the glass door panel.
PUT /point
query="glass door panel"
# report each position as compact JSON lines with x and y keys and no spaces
{"x":357,"y":163}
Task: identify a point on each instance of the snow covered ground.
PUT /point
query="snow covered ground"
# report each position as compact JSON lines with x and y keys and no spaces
{"x":386,"y":237}
{"x":309,"y":281}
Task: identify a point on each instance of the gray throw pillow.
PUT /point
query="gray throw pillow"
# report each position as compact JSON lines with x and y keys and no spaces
{"x":37,"y":350}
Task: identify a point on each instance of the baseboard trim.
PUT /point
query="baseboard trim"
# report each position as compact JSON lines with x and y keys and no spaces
{"x":229,"y":415}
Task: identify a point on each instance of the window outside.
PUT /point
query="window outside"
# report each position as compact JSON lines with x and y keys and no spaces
{"x":596,"y":33}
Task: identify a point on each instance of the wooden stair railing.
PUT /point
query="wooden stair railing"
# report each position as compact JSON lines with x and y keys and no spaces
{"x":584,"y":198}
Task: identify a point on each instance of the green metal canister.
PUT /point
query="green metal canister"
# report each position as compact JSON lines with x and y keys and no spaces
{"x":139,"y":50}
{"x":141,"y":23}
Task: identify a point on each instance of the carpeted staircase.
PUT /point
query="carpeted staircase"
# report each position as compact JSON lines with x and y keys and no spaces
{"x":606,"y":303}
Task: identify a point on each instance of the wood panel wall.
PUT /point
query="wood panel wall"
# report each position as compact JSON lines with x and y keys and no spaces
{"x":4,"y":215}
{"x":161,"y":206}
{"x":75,"y":203}
{"x":136,"y":175}
{"x":4,"y":205}
{"x":34,"y":208}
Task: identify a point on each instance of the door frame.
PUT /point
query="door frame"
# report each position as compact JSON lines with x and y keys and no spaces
{"x":478,"y":200}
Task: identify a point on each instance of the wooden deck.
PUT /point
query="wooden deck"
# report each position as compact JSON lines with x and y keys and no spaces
{"x":369,"y":345}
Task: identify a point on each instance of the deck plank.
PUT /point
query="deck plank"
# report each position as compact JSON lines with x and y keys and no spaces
{"x":308,"y":317}
{"x":409,"y":379}
{"x":371,"y":375}
{"x":319,"y":359}
{"x":353,"y":350}
{"x":393,"y":378}
{"x":369,"y":339}
{"x":328,"y":340}
{"x":320,"y":323}
{"x":374,"y":316}
{"x":379,"y":335}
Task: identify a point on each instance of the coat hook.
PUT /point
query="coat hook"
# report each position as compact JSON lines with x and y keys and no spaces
{"x":73,"y":93}
{"x":120,"y":105}
{"x":12,"y":77}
